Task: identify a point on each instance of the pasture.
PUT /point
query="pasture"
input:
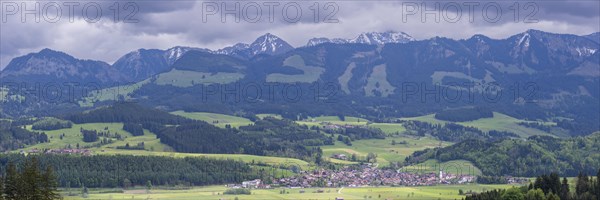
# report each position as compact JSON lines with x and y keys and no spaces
{"x":219,"y":120}
{"x":310,"y":73}
{"x":384,"y":149}
{"x":499,"y":122}
{"x":184,"y":78}
{"x":216,"y":192}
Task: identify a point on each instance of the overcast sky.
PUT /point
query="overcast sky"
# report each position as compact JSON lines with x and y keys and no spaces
{"x":164,"y":24}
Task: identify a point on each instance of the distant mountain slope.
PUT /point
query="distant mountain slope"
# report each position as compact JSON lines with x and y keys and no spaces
{"x":594,"y":36}
{"x":53,"y":66}
{"x":268,"y":44}
{"x":144,"y":63}
{"x":372,"y":78}
{"x":373,"y":38}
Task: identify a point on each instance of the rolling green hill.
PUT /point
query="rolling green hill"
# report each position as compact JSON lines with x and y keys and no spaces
{"x":184,"y":78}
{"x":72,"y":136}
{"x":518,"y":157}
{"x":499,"y":122}
{"x":385,"y":151}
{"x":219,"y":120}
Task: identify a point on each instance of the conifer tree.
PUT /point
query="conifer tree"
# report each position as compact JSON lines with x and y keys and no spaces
{"x":12,"y":188}
{"x":1,"y":188}
{"x":582,"y":184}
{"x":564,"y":189}
{"x":49,"y":185}
{"x":31,"y":179}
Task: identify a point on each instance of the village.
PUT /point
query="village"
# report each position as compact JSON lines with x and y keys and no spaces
{"x":85,"y":152}
{"x":363,"y":176}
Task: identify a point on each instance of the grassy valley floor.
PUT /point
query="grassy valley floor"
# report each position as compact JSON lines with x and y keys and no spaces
{"x":216,"y":192}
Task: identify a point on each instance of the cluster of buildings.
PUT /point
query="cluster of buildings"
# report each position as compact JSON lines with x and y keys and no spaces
{"x":340,"y":156}
{"x":370,"y":176}
{"x":85,"y":152}
{"x":252,"y":184}
{"x":361,"y":177}
{"x":328,"y":125}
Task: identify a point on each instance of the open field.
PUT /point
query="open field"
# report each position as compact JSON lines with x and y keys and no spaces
{"x":219,"y":120}
{"x":389,"y":127}
{"x":334,"y":120}
{"x":500,"y":122}
{"x":112,"y":93}
{"x":72,"y":136}
{"x":152,"y":146}
{"x":377,"y":82}
{"x":240,"y":157}
{"x":3,"y":93}
{"x":262,"y":116}
{"x":385,"y":151}
{"x":216,"y":192}
{"x":184,"y":78}
{"x":310,"y":73}
{"x":345,"y":78}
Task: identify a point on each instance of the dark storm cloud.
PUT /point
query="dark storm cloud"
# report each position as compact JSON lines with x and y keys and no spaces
{"x":569,"y":11}
{"x":576,"y":8}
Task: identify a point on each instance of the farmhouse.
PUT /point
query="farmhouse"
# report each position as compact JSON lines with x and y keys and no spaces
{"x":251,"y":184}
{"x":340,"y":156}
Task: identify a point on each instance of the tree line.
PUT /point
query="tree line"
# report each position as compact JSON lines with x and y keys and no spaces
{"x":13,"y":136}
{"x":269,"y":136}
{"x":464,"y":114}
{"x":454,"y":132}
{"x":76,"y":171}
{"x":50,"y":123}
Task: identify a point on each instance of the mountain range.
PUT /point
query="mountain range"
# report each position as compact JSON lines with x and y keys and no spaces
{"x":373,"y":38}
{"x":564,"y":67}
{"x":524,"y":48}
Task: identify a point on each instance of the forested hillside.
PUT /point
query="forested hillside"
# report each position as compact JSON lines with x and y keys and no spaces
{"x":14,"y":136}
{"x":532,"y":157}
{"x":464,"y":114}
{"x":454,"y":132}
{"x":268,"y":136}
{"x":126,"y":112}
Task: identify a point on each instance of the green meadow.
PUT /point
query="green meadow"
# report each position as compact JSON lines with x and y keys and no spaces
{"x":276,"y":116}
{"x":377,"y":82}
{"x":384,"y":149}
{"x":316,"y":121}
{"x":310,"y":73}
{"x":112,"y":93}
{"x":152,"y":145}
{"x":219,"y":120}
{"x":72,"y":136}
{"x":499,"y":122}
{"x":216,"y":192}
{"x":345,"y":78}
{"x":184,"y":78}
